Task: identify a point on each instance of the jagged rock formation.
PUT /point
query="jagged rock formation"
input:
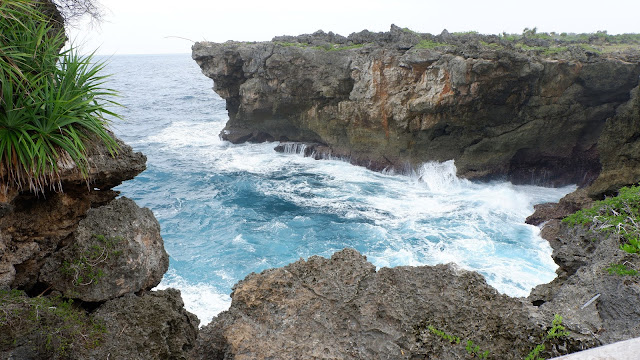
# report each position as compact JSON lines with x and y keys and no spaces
{"x":397,"y":98}
{"x":556,"y":115}
{"x":151,"y":326}
{"x":33,"y":226}
{"x":583,"y":257}
{"x":116,"y":250}
{"x":84,"y":244}
{"x":341,"y":308}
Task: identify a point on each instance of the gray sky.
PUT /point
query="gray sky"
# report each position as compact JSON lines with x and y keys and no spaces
{"x":158,"y":26}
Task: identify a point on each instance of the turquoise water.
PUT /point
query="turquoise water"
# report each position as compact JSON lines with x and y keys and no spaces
{"x":228,"y":210}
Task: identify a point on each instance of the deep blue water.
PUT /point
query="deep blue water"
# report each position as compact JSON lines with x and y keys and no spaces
{"x":228,"y":210}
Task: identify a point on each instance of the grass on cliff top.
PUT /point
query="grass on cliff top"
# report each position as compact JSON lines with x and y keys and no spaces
{"x":52,"y":103}
{"x":616,"y":215}
{"x":429,"y":44}
{"x":619,"y":214}
{"x":49,"y":326}
{"x":599,"y":37}
{"x":326,"y":47}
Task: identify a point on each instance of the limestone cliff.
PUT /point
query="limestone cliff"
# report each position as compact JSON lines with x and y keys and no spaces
{"x":104,"y":254}
{"x":499,"y":109}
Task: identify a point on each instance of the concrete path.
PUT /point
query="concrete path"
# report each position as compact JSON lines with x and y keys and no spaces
{"x":623,"y":350}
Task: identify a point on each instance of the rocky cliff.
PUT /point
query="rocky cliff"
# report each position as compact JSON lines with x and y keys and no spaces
{"x":76,"y":267}
{"x":531,"y":111}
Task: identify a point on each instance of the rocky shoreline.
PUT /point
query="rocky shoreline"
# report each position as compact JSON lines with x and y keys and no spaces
{"x":531,"y":111}
{"x":381,"y":101}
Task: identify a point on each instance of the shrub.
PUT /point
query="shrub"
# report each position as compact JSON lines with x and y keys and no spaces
{"x":428,"y":44}
{"x":557,"y":331}
{"x":50,"y":326}
{"x":619,"y":215}
{"x":622,"y":270}
{"x":52,"y":103}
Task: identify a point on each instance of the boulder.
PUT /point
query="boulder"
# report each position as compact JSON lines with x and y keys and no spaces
{"x":152,"y":325}
{"x":342,"y":308}
{"x":117,"y":249}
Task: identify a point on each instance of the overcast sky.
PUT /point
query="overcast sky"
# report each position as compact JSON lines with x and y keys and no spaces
{"x":161,"y":26}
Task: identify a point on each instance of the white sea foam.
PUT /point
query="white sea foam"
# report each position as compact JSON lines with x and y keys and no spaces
{"x":228,"y":210}
{"x":203,"y":300}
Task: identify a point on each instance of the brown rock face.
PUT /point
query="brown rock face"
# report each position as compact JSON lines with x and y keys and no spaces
{"x":497,"y":111}
{"x":583,"y":258}
{"x":153,"y":325}
{"x":33,"y":226}
{"x":116,"y":250}
{"x":341,"y":308}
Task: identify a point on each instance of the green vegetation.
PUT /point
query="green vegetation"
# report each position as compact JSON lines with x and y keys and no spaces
{"x":87,"y":269}
{"x":289,"y":44}
{"x":544,"y":50}
{"x":450,"y":338}
{"x":326,"y":47}
{"x":622,"y":270}
{"x":428,"y":44}
{"x":462,"y":33}
{"x":533,"y":355}
{"x":50,"y":326}
{"x":52,"y":104}
{"x":338,"y":47}
{"x":619,"y":214}
{"x":590,"y":48}
{"x":474,"y":350}
{"x":557,"y":331}
{"x":600,"y":37}
{"x":615,"y":215}
{"x":471,"y":348}
{"x":510,"y":37}
{"x":494,"y":46}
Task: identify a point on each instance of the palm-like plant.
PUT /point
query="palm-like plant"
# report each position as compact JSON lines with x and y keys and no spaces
{"x":52,"y":103}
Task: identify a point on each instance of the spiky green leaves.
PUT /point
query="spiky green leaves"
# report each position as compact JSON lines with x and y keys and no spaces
{"x":52,"y":103}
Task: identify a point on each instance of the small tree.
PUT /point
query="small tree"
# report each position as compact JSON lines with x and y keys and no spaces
{"x":74,"y":9}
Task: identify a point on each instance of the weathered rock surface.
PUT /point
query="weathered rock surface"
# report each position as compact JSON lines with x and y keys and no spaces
{"x":497,"y":110}
{"x":569,"y":204}
{"x":84,"y":244}
{"x":341,"y":308}
{"x":33,"y":225}
{"x":117,"y":249}
{"x":619,"y":147}
{"x":583,"y":257}
{"x":153,"y":325}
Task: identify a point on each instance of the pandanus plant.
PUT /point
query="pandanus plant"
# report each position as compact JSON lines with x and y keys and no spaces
{"x":53,"y":102}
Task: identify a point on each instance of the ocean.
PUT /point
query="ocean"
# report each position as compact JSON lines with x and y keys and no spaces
{"x":228,"y":210}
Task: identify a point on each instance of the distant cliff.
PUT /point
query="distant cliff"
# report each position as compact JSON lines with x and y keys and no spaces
{"x":530,"y":110}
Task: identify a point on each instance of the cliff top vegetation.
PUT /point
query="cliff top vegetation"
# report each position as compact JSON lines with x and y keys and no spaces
{"x":530,"y":42}
{"x":52,"y":102}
